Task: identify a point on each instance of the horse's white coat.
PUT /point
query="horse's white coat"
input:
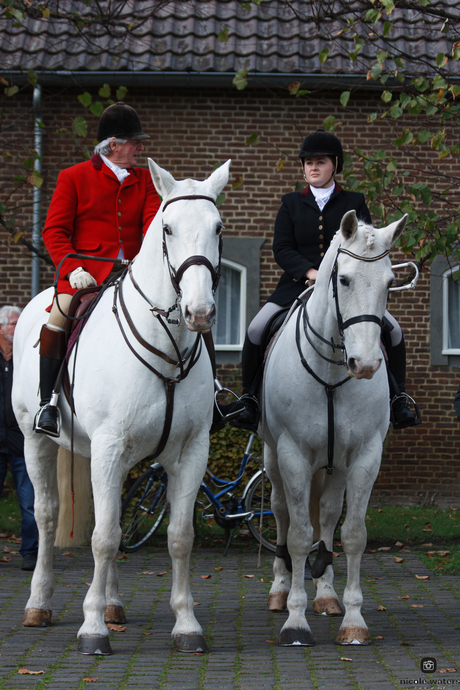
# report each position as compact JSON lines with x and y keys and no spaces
{"x":295,"y":426}
{"x":120,"y":404}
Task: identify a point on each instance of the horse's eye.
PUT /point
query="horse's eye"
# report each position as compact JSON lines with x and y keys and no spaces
{"x":167,"y":230}
{"x":344,"y":281}
{"x":219,"y":228}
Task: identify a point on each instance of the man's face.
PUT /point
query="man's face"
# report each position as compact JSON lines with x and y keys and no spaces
{"x":8,"y":331}
{"x":125,"y":155}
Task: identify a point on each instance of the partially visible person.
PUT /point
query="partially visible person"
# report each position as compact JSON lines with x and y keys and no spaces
{"x":102,"y":207}
{"x":304,"y":227}
{"x":12,"y":442}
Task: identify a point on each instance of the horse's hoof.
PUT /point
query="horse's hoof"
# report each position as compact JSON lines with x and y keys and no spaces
{"x":94,"y":644}
{"x":190,"y":643}
{"x":327,"y":606}
{"x":353,"y":635}
{"x":37,"y":618}
{"x":296,"y":637}
{"x":115,"y":614}
{"x":277,"y":601}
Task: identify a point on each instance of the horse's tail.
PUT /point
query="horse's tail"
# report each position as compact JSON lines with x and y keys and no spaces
{"x":83,"y":501}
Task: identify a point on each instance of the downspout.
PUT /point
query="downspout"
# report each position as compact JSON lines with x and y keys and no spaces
{"x":36,"y":217}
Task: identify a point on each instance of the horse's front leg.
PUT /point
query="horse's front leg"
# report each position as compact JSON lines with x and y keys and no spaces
{"x":41,"y":459}
{"x":354,"y":538}
{"x":279,"y":591}
{"x":182,"y":490}
{"x":106,"y":477}
{"x":114,"y":612}
{"x":331,"y":489}
{"x":296,"y":480}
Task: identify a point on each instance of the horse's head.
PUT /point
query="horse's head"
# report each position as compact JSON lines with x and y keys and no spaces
{"x":192,"y":240}
{"x":361,"y":277}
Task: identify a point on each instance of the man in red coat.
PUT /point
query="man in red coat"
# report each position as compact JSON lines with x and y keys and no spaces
{"x":102,"y":207}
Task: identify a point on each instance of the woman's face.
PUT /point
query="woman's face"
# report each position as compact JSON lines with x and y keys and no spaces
{"x":318,"y":171}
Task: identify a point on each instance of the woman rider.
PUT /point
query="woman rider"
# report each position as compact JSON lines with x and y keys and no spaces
{"x":304,"y":228}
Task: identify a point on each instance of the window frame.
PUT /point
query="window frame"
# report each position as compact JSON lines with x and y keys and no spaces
{"x":446,"y":350}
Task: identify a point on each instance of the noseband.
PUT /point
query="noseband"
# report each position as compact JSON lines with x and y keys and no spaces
{"x":195,"y":260}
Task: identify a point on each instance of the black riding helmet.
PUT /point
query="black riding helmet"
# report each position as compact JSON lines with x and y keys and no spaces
{"x":121,"y":121}
{"x":322,"y":143}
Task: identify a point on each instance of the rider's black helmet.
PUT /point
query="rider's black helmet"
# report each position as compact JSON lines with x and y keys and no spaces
{"x":322,"y":143}
{"x":121,"y":121}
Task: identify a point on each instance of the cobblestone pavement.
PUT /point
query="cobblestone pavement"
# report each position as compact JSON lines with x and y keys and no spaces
{"x":421,"y":618}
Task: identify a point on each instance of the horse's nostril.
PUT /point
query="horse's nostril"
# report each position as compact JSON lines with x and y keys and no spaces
{"x":352,"y":363}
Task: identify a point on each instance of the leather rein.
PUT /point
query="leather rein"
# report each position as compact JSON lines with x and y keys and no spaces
{"x":342,"y":325}
{"x":185,"y":362}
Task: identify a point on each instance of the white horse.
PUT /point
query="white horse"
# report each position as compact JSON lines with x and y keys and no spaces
{"x":121,"y":403}
{"x":310,"y":401}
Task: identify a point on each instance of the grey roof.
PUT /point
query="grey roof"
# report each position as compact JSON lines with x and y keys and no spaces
{"x":273,"y":38}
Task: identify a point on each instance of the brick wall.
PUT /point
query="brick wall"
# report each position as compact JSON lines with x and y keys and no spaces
{"x":191,"y":131}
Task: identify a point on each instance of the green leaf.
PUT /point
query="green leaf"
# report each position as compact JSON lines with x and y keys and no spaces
{"x":32,"y":77}
{"x":422,"y":84}
{"x":104,"y":91}
{"x":423,"y":136}
{"x":220,"y":200}
{"x":239,"y":80}
{"x":11,"y":90}
{"x":455,"y":90}
{"x":431,"y":109}
{"x":386,"y":96}
{"x":35,"y":179}
{"x":223,"y":35}
{"x":96,"y":108}
{"x":121,"y":92}
{"x":330,"y":123}
{"x":302,"y":92}
{"x":381,"y":56}
{"x":373,"y":16}
{"x":392,"y":167}
{"x":388,"y":5}
{"x":293,"y":87}
{"x":344,"y":98}
{"x":253,"y":140}
{"x":238,"y":182}
{"x":399,"y":62}
{"x":323,"y":55}
{"x":396,"y":111}
{"x":387,"y":28}
{"x":376,"y":70}
{"x":426,"y":196}
{"x":441,"y":59}
{"x":79,"y":127}
{"x":85,"y":99}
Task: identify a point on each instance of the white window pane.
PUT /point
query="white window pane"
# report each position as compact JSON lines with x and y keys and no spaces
{"x":228,"y":304}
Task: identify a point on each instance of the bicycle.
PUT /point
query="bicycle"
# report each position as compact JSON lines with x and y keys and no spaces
{"x":145,"y":505}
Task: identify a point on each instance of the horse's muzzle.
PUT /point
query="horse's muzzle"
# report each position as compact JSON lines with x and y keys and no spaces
{"x":360,"y":370}
{"x":197,"y":321}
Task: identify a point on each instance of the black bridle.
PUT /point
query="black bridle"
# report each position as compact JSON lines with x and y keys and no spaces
{"x":196,"y":260}
{"x":330,"y":388}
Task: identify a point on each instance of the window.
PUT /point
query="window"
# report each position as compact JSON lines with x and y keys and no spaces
{"x":230,"y":326}
{"x":451,"y":312}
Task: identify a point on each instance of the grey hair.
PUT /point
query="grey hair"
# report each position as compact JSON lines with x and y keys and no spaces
{"x":104,"y":146}
{"x":5,"y":313}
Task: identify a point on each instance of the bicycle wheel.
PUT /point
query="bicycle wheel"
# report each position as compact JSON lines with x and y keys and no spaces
{"x":253,"y":502}
{"x":143,"y":509}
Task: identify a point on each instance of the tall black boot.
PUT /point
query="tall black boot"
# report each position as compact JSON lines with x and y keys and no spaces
{"x":52,"y":353}
{"x":251,"y":362}
{"x":401,"y":414}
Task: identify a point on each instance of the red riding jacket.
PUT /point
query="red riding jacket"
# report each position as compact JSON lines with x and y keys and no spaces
{"x":92,"y":213}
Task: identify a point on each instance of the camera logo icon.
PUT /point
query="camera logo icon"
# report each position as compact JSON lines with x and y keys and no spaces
{"x":428,"y":664}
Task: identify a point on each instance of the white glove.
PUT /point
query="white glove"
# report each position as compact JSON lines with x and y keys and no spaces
{"x":81,"y":279}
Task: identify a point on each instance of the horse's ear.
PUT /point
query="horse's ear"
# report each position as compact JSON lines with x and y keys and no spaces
{"x":349,"y":225}
{"x":162,"y":179}
{"x":219,"y":178}
{"x":394,"y":230}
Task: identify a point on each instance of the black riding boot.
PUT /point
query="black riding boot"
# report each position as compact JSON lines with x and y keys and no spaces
{"x":52,"y":353}
{"x":251,"y":361}
{"x":401,"y":414}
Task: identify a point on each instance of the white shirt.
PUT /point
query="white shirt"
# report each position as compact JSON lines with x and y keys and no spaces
{"x":121,"y":173}
{"x":321,"y":195}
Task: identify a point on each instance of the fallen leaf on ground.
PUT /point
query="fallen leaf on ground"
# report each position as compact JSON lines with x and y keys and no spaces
{"x":66,"y":585}
{"x":219,"y":568}
{"x":384,"y":548}
{"x":249,"y":576}
{"x":90,"y":680}
{"x":5,"y":535}
{"x":5,"y":560}
{"x":149,"y":633}
{"x":345,"y":658}
{"x":447,"y":670}
{"x":7,"y":550}
{"x":148,"y":572}
{"x":380,"y":608}
{"x":205,"y":577}
{"x":406,"y":596}
{"x":371,"y":550}
{"x":68,"y":553}
{"x":26,"y":672}
{"x":196,"y":603}
{"x":270,"y":642}
{"x":427,"y":544}
{"x":116,"y":628}
{"x":416,"y":606}
{"x":379,"y":637}
{"x":398,"y":559}
{"x":123,"y":557}
{"x":399,"y":543}
{"x":422,"y":577}
{"x":161,"y":574}
{"x":335,"y":554}
{"x":262,"y":580}
{"x":404,"y":551}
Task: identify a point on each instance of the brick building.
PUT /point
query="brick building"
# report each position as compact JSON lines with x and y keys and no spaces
{"x":197,"y":119}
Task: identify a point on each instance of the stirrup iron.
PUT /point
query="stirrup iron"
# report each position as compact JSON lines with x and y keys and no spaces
{"x":53,"y":403}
